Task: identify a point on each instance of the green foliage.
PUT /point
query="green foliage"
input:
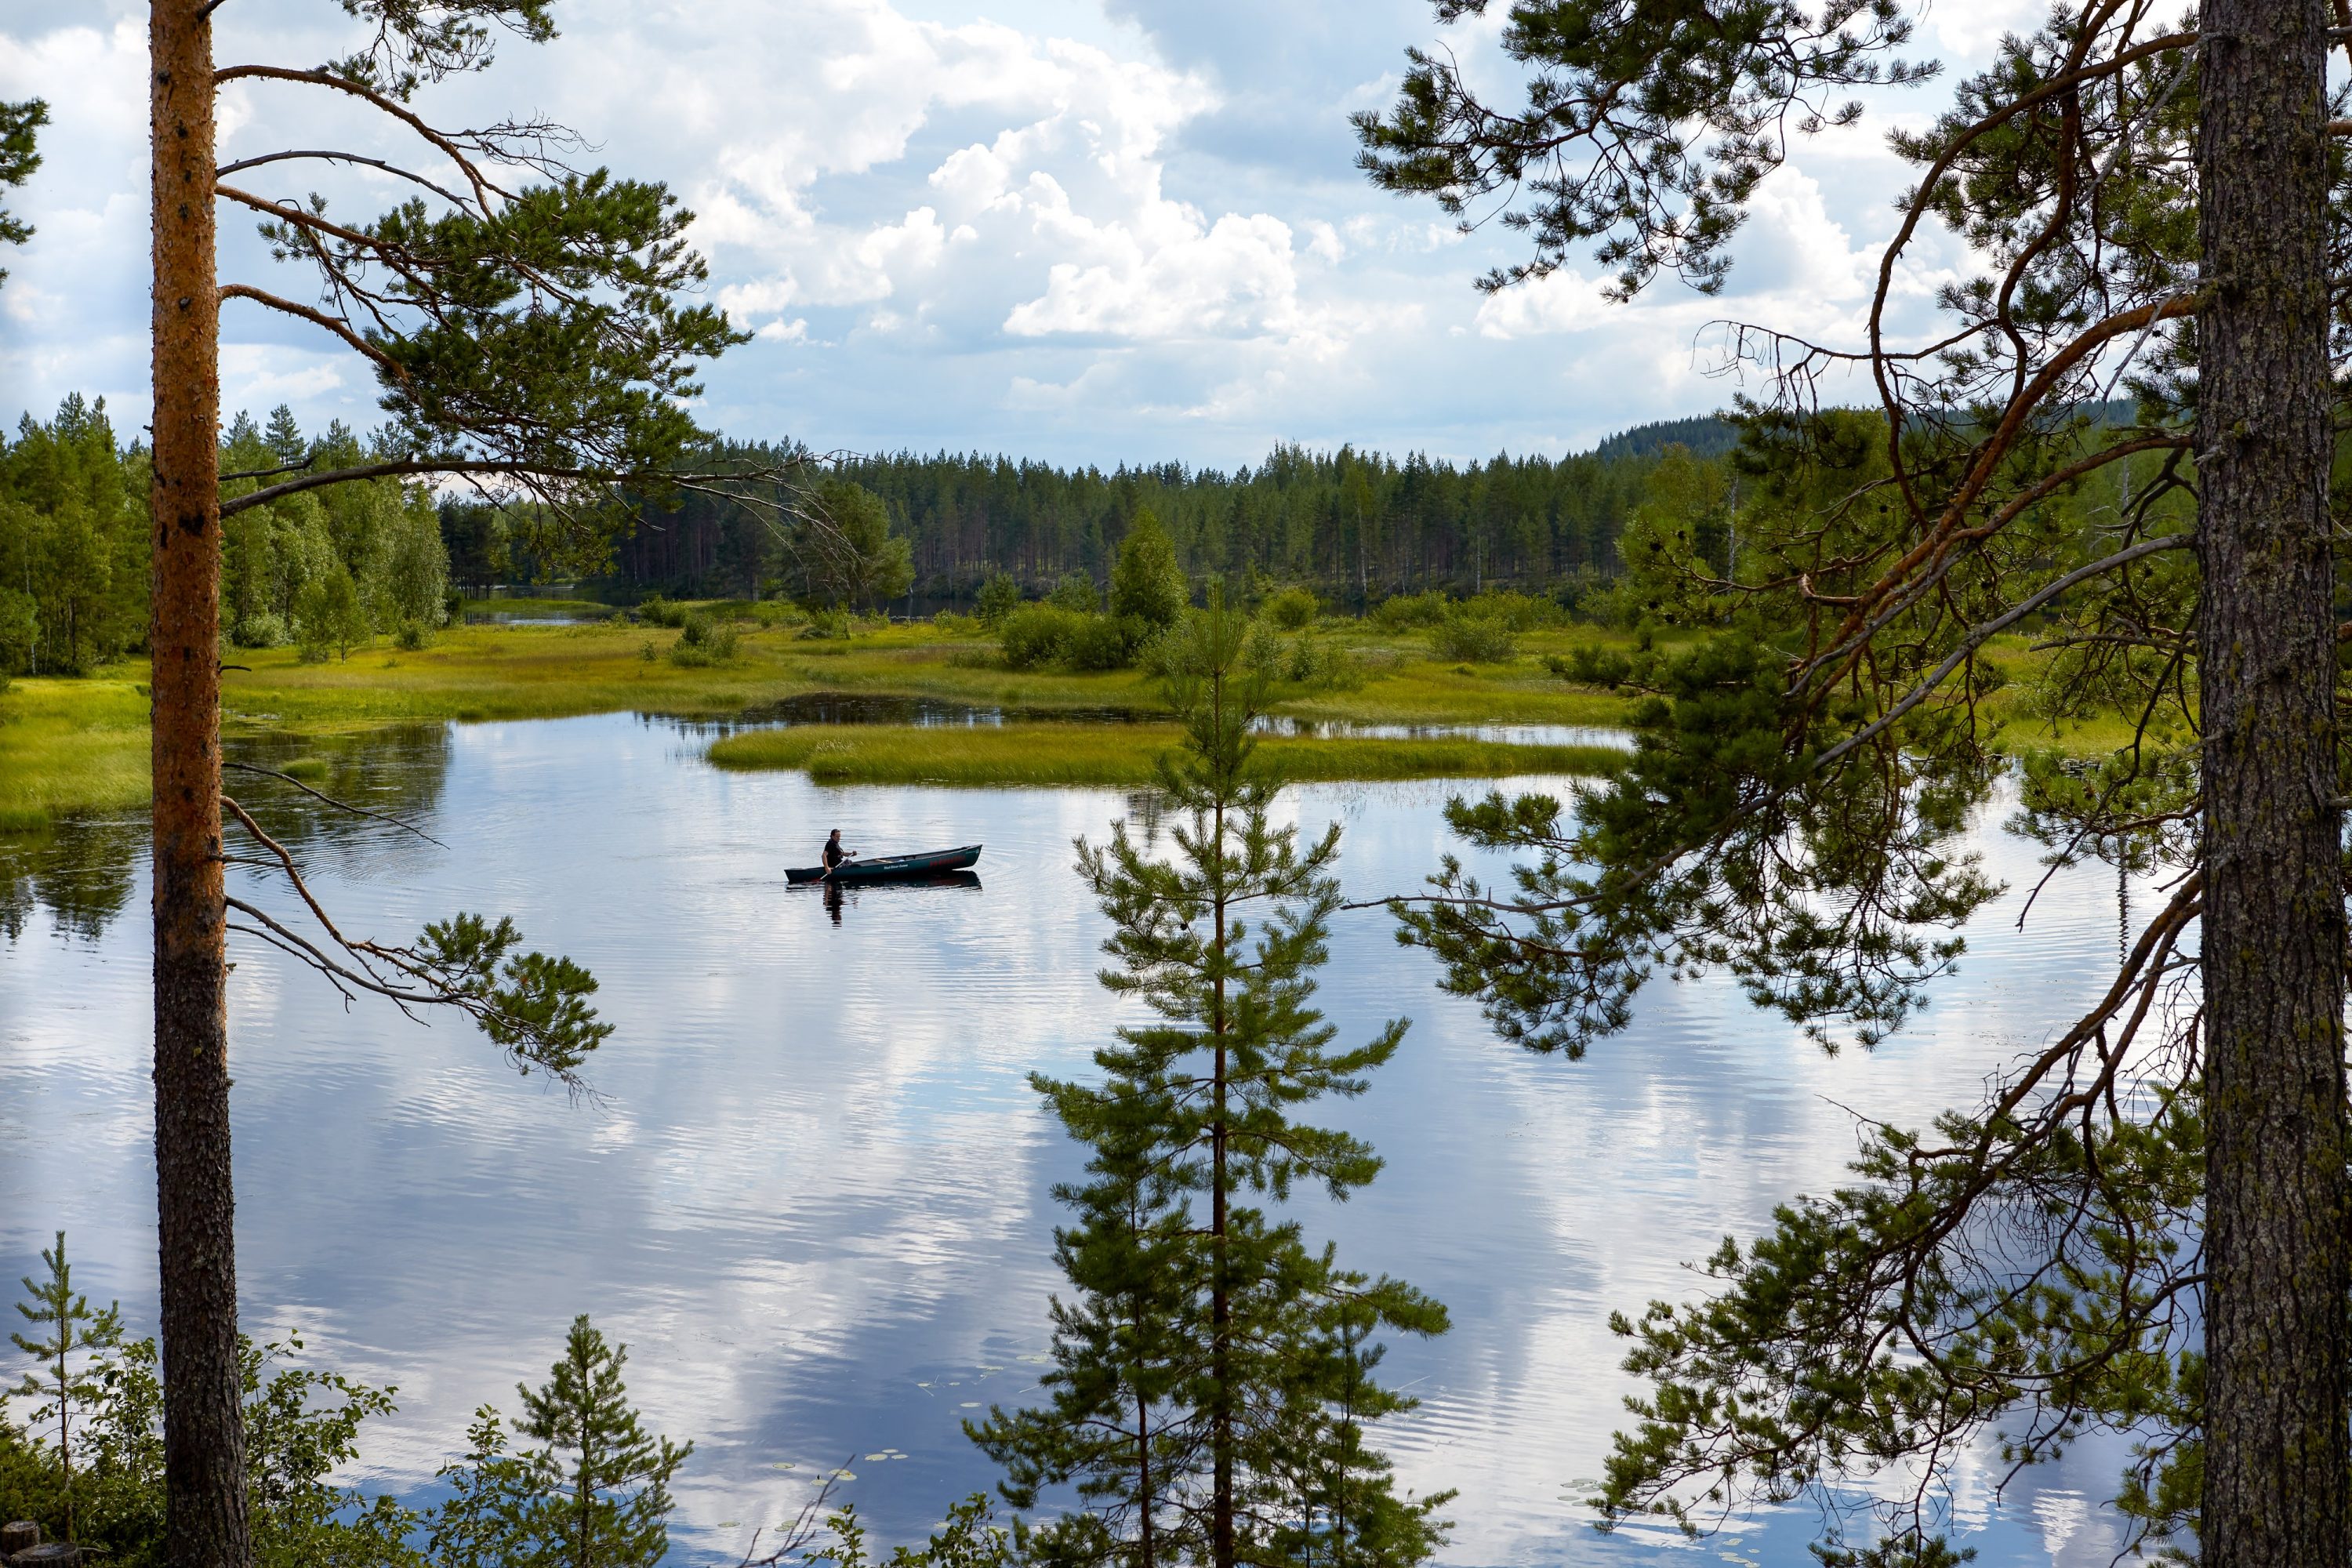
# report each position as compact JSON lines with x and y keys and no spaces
{"x":999,"y":598}
{"x":70,"y":1343}
{"x":1146,"y":583}
{"x":1468,"y":637}
{"x":73,"y":540}
{"x":1306,"y":661}
{"x":301,"y":1426}
{"x":1792,"y":813}
{"x":1293,"y":609}
{"x":20,"y":124}
{"x":593,"y":1492}
{"x":846,"y":555}
{"x":532,"y":1006}
{"x":1409,"y":610}
{"x":485,"y":371}
{"x":702,"y":642}
{"x":1352,"y":527}
{"x":1075,"y":591}
{"x":1040,"y":635}
{"x":968,"y":1538}
{"x":1646,"y":129}
{"x":383,"y":537}
{"x":327,"y":617}
{"x":1213,"y":1370}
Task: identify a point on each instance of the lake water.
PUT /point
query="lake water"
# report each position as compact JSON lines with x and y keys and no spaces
{"x":813,"y":1193}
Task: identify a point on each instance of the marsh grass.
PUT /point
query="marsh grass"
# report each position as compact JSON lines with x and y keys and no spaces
{"x":72,"y":745}
{"x":1122,"y":754}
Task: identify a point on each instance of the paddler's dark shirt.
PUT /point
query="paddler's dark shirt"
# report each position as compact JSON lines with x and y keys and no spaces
{"x":833,"y":855}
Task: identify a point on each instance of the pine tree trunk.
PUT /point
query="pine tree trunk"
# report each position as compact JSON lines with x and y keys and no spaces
{"x":2275,"y":1407}
{"x":1221,"y":1305}
{"x":204,"y":1426}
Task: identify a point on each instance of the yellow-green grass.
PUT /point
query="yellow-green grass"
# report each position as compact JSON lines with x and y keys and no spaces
{"x":1113,"y":754}
{"x":72,"y":745}
{"x":82,"y":744}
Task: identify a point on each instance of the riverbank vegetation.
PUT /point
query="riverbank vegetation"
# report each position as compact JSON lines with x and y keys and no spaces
{"x":75,"y":744}
{"x":1120,"y":755}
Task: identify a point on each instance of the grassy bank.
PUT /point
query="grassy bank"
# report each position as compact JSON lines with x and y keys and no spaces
{"x":72,"y":745}
{"x":1121,"y":754}
{"x":66,"y":746}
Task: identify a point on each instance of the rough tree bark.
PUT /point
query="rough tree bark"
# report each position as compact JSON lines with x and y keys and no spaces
{"x":203,"y":1428}
{"x":2276,"y":1407}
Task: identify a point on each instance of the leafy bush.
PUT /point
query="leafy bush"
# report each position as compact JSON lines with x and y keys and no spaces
{"x":772,"y":613}
{"x":1293,"y":609}
{"x":1515,"y":612}
{"x":1033,"y":636}
{"x":1075,"y":591}
{"x":1408,"y":610}
{"x":702,"y":642}
{"x":656,"y":611}
{"x":833,"y":623}
{"x":260,"y":629}
{"x":954,"y":625}
{"x":411,"y":635}
{"x":1472,"y":639}
{"x":1036,"y":637}
{"x":999,"y":598}
{"x":1097,"y":642}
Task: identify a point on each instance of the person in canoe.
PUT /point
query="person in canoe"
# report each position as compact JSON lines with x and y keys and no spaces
{"x":834,"y":855}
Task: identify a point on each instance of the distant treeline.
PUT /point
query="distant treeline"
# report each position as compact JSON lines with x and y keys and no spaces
{"x":1356,"y":527}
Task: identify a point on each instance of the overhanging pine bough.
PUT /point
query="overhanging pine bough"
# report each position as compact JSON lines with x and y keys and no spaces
{"x":2144,"y":1227}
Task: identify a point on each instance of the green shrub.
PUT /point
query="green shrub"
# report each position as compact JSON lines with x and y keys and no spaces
{"x":260,"y":629}
{"x":772,"y":613}
{"x":656,"y":611}
{"x":411,"y":635}
{"x":1514,"y":611}
{"x":702,"y":642}
{"x":1293,"y":609}
{"x":999,"y":598}
{"x":1472,"y":639}
{"x":1408,"y":610}
{"x":1075,"y":591}
{"x":954,"y":625}
{"x":1033,"y":636}
{"x":1097,"y":642}
{"x":833,"y":623}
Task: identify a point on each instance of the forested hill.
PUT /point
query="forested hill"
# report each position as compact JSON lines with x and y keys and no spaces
{"x":1358,"y":526}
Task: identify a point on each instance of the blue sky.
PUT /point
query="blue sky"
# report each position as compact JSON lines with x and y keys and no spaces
{"x":1079,"y":230}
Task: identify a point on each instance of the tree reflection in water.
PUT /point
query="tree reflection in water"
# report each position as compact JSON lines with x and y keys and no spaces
{"x":83,"y":870}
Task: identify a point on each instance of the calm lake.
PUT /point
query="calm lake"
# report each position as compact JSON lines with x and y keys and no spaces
{"x":813,"y":1193}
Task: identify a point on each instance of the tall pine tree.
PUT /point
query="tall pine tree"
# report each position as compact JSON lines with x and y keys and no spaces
{"x":1212,"y":1377}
